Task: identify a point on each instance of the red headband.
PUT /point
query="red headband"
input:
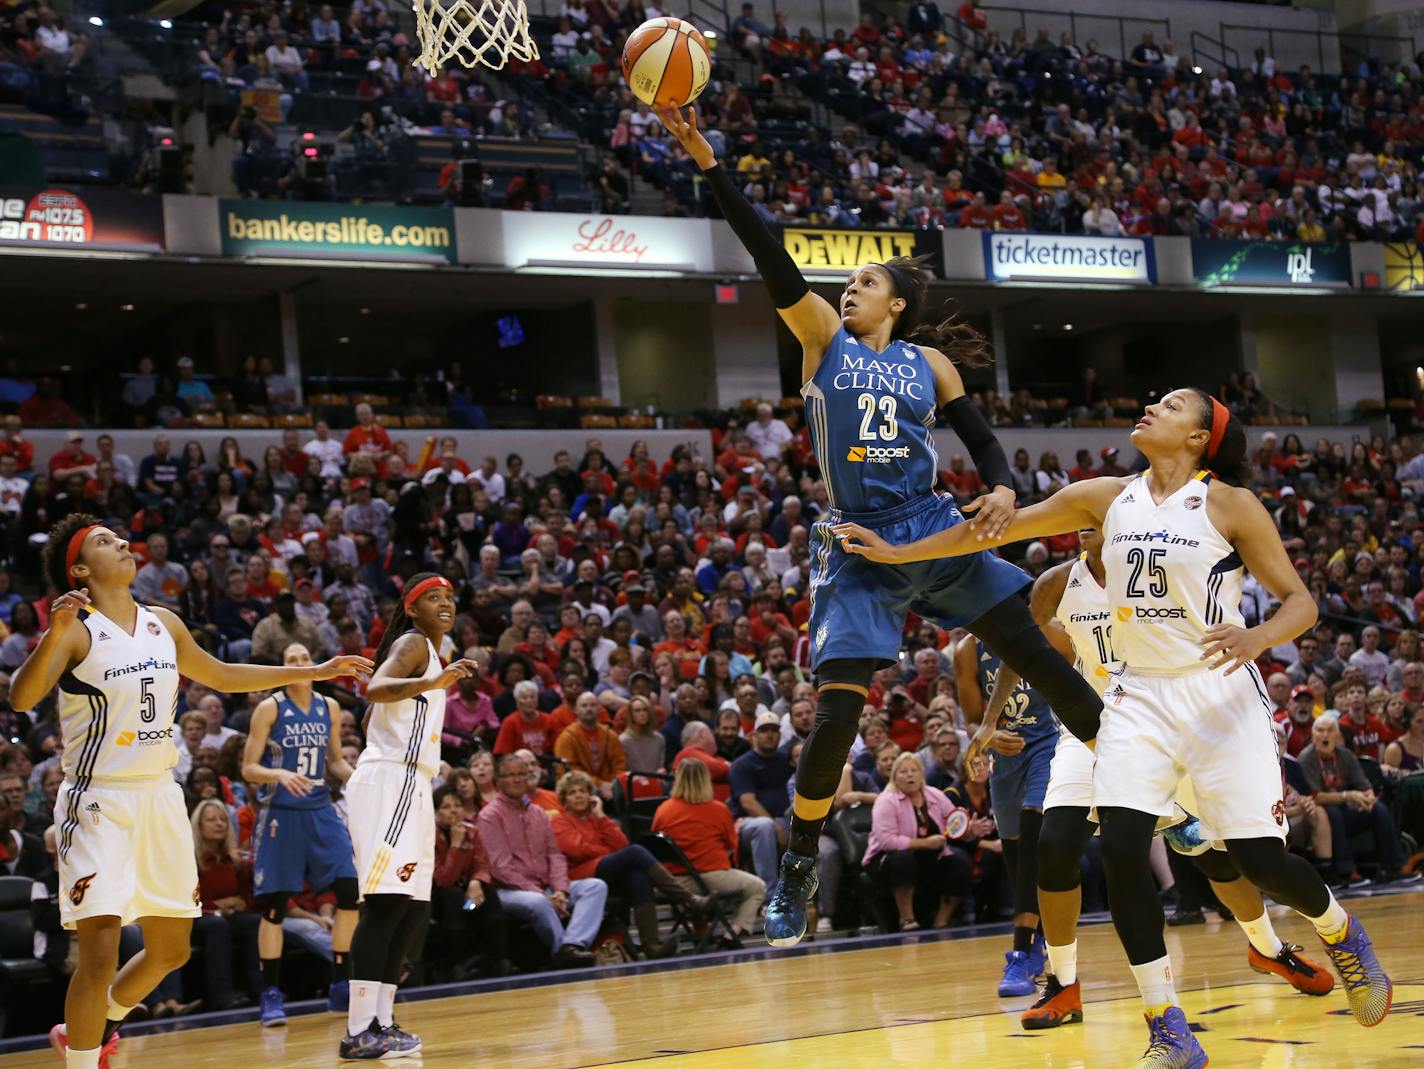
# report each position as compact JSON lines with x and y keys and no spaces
{"x":76,"y":543}
{"x":421,"y":587}
{"x":1220,"y":417}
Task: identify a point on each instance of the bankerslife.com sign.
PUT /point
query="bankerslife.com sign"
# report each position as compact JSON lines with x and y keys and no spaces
{"x":1072,"y":257}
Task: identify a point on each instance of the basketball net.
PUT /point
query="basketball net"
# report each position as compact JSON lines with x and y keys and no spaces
{"x":474,"y":32}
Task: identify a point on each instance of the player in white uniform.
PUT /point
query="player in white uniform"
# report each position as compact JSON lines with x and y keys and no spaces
{"x":1071,"y":604}
{"x":390,"y":813}
{"x":124,"y":840}
{"x":1189,"y":702}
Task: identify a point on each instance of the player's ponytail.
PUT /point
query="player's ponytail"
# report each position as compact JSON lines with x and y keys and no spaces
{"x":952,"y":335}
{"x":1225,"y":452}
{"x":56,"y":550}
{"x":400,"y":621}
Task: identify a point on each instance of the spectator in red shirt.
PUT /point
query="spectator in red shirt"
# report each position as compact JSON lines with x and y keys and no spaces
{"x":703,"y":828}
{"x":699,"y":744}
{"x":225,"y":894}
{"x":973,"y":16}
{"x":462,"y":874}
{"x":977,"y":216}
{"x":14,"y":444}
{"x":72,"y":459}
{"x":368,"y":436}
{"x":1299,"y":719}
{"x":1007,"y":215}
{"x":963,"y":482}
{"x":45,"y":408}
{"x":1365,"y":734}
{"x":1084,"y":468}
{"x":526,"y":728}
{"x":294,"y":458}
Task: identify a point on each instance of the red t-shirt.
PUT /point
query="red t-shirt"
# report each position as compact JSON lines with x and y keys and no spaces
{"x":976,"y":218}
{"x":1367,"y":739}
{"x":516,"y":733}
{"x":372,"y":439}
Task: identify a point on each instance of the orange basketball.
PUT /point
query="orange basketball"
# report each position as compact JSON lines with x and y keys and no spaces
{"x":666,"y":62}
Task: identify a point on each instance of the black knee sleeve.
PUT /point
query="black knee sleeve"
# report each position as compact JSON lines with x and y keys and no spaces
{"x":273,"y":907}
{"x":1216,"y":865}
{"x":1285,"y":877}
{"x":347,"y":891}
{"x":1009,"y":631}
{"x":1026,"y":878}
{"x":1061,"y":842}
{"x":1132,"y":892}
{"x":375,"y":932}
{"x":837,"y":720}
{"x":409,"y":940}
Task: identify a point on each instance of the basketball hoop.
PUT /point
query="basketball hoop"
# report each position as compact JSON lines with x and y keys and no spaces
{"x":474,"y":32}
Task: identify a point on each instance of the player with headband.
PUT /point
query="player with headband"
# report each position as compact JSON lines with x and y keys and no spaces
{"x":124,"y":839}
{"x":1189,"y":700}
{"x":877,"y":373}
{"x":390,"y":813}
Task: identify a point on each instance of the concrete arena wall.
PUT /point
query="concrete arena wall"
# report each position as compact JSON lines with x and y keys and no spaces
{"x":538,"y":447}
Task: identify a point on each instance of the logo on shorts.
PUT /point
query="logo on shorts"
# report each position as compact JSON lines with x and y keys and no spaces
{"x":405,"y":872}
{"x":153,"y":628}
{"x":93,"y":810}
{"x":876,"y":454}
{"x":1117,"y":694}
{"x":1074,"y":583}
{"x":103,"y":636}
{"x":1279,"y":812}
{"x":1192,"y":503}
{"x":80,"y":889}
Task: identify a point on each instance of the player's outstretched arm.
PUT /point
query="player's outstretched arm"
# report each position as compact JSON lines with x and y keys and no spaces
{"x":1241,"y":517}
{"x":809,"y":317}
{"x":1077,"y":505}
{"x":335,"y":763}
{"x":61,"y":647}
{"x":197,"y":663}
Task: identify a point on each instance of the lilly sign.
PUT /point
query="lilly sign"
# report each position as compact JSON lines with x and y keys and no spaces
{"x":1068,"y":257}
{"x":628,"y":242}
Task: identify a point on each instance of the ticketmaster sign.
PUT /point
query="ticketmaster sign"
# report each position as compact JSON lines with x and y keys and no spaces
{"x":1068,"y":257}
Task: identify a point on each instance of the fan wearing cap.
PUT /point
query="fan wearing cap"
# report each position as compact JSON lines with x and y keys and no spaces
{"x":72,"y":459}
{"x":1177,"y":541}
{"x":122,"y":820}
{"x":1299,"y":719}
{"x":1109,"y":467}
{"x":391,"y":816}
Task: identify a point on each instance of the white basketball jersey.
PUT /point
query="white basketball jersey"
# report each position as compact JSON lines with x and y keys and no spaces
{"x":407,"y":732}
{"x":116,"y":706}
{"x":1085,"y":613}
{"x":1170,"y":576}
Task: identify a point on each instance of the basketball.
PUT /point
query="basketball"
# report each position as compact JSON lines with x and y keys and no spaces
{"x":666,"y":62}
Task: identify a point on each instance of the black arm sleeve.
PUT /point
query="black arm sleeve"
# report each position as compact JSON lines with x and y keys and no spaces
{"x":777,"y":269}
{"x":978,"y":437}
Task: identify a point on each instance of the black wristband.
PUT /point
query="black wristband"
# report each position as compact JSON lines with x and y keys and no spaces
{"x":777,"y":269}
{"x":978,"y":438}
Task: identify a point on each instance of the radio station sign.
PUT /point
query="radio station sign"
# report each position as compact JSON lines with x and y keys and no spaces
{"x":1218,"y":262}
{"x":94,"y":219}
{"x":336,"y":231}
{"x":1403,"y":267}
{"x":1068,"y":258}
{"x":835,"y":252}
{"x":576,"y":240}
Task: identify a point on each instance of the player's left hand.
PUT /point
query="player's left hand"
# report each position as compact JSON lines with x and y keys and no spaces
{"x":996,"y":512}
{"x":1006,"y":743}
{"x":1229,"y":646}
{"x":863,"y":542}
{"x":345,"y":664}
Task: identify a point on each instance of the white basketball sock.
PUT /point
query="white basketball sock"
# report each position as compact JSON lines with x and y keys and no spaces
{"x":361,"y":1009}
{"x":386,"y":1005}
{"x":1154,"y":980}
{"x":116,"y":1012}
{"x":1262,"y":934}
{"x":1333,"y":923}
{"x":82,"y":1059}
{"x":1064,"y":963}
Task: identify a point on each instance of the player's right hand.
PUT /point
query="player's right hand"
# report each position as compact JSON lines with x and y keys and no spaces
{"x":64,"y":610}
{"x":1006,"y":743}
{"x":682,"y":124}
{"x":456,"y":671}
{"x":295,"y":783}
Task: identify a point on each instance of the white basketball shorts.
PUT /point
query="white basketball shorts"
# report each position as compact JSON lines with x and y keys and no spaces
{"x":392,"y":824}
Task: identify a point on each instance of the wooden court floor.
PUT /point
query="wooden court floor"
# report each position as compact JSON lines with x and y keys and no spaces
{"x":914,"y":1005}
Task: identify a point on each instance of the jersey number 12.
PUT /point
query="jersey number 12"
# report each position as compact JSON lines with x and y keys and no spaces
{"x":889,"y":430}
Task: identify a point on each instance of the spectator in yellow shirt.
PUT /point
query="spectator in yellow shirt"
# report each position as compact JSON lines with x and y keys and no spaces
{"x":1310,"y":229}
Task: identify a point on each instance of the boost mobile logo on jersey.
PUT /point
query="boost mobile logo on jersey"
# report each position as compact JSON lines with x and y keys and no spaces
{"x":877,"y":454}
{"x":150,"y":665}
{"x":1149,"y":613}
{"x":143,"y":738}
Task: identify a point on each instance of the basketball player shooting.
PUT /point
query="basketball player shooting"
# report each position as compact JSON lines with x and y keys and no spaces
{"x":875,"y":377}
{"x":1189,"y":701}
{"x":123,"y":832}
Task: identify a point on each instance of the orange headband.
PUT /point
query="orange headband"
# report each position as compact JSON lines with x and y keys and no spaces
{"x":1220,"y":417}
{"x":76,"y":543}
{"x":421,"y":587}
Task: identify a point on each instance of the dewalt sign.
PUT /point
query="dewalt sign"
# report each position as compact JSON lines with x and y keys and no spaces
{"x":837,"y":251}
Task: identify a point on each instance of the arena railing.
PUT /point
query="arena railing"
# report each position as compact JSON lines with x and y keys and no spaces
{"x":1330,"y":50}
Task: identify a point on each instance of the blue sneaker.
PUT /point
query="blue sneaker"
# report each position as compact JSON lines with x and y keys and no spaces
{"x":1020,"y":974}
{"x":1185,"y":838}
{"x":370,"y":1045}
{"x":786,"y":907}
{"x":403,"y":1044}
{"x":1366,"y":986}
{"x":1170,"y":1043}
{"x":338,"y":996}
{"x":274,"y":1010}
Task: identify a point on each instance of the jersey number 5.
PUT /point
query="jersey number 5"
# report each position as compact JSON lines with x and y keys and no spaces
{"x":889,"y":430}
{"x":148,"y":710}
{"x":1156,"y":574}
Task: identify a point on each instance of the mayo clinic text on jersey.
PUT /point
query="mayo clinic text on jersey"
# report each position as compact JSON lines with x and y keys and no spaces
{"x":862,"y":373}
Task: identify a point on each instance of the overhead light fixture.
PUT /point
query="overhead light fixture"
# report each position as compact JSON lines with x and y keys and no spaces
{"x":1067,"y":326}
{"x":81,"y":306}
{"x":95,"y":20}
{"x":165,"y":23}
{"x":343,"y":341}
{"x":126,"y":308}
{"x":1196,"y":70}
